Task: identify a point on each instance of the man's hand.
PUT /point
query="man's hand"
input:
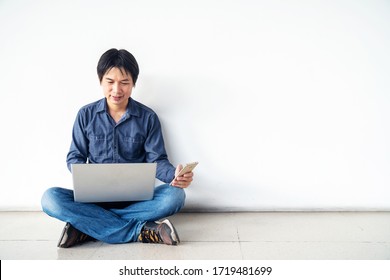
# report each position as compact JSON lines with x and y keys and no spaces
{"x":182,"y":181}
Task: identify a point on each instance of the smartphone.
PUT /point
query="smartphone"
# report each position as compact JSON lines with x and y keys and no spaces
{"x":187,"y":168}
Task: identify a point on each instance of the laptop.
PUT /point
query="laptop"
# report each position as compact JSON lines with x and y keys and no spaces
{"x":113,"y":182}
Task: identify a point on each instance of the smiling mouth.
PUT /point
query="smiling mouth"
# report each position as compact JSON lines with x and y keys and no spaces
{"x":116,"y":98}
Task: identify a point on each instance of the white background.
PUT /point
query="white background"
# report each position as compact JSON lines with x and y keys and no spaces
{"x":281,"y":270}
{"x":285,"y":104}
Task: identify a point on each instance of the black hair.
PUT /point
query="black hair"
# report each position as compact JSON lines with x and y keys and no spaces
{"x":121,"y":59}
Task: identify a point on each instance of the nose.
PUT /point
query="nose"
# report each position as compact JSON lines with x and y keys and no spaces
{"x":115,"y":88}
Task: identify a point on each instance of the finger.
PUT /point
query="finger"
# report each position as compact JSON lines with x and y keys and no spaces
{"x":178,"y":168}
{"x":188,"y":175}
{"x":180,"y":185}
{"x":183,"y":179}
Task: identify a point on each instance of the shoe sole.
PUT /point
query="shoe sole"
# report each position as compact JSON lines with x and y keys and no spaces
{"x":66,"y":227}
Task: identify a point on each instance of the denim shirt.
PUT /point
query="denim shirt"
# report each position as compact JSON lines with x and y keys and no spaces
{"x":136,"y":138}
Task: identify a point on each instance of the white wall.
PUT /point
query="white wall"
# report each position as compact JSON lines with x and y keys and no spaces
{"x":285,"y":104}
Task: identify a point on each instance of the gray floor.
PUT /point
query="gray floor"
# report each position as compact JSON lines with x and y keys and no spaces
{"x":209,"y":236}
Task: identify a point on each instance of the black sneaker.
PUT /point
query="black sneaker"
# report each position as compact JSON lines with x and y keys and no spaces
{"x":71,"y":236}
{"x":159,"y":232}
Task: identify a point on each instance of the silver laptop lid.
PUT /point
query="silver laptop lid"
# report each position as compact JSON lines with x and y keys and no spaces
{"x":113,"y":182}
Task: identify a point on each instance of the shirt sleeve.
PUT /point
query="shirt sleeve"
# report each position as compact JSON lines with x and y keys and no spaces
{"x":78,"y":152}
{"x":155,"y":151}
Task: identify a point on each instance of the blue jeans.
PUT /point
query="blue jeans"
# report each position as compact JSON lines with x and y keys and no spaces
{"x":110,"y":223}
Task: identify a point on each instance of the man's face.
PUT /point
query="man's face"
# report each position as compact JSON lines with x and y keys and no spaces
{"x":117,"y":86}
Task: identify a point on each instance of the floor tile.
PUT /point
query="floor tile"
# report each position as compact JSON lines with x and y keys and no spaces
{"x":315,"y":251}
{"x":206,"y":227}
{"x":186,"y":250}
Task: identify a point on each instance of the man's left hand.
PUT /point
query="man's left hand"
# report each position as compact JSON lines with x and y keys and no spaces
{"x":182,"y":181}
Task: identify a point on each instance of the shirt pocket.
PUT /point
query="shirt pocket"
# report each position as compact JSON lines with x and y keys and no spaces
{"x":132,"y":147}
{"x":98,"y":146}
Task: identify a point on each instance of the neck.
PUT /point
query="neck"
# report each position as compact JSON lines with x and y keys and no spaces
{"x":117,"y":108}
{"x":117,"y":111}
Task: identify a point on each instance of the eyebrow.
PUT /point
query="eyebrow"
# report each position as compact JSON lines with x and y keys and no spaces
{"x":124,"y":80}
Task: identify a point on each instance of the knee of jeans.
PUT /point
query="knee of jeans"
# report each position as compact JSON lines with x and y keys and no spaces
{"x":174,"y":198}
{"x":48,"y":200}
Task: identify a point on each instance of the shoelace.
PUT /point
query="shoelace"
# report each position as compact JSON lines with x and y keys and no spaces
{"x":150,"y":236}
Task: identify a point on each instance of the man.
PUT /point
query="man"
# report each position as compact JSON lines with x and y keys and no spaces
{"x":118,"y":129}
